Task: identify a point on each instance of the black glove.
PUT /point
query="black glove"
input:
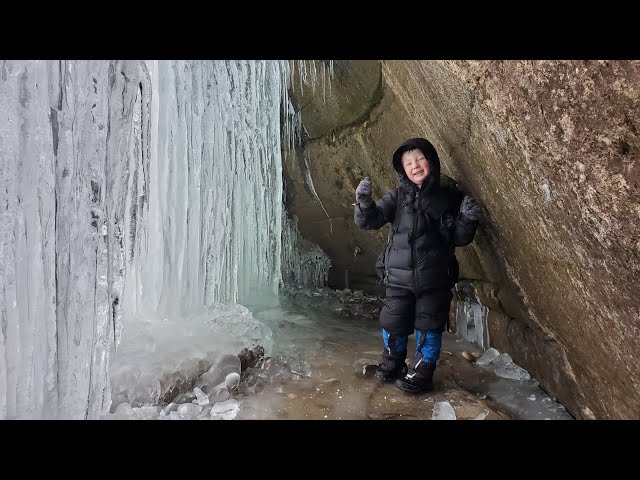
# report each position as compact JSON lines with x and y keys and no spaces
{"x":470,"y":208}
{"x":363,"y":193}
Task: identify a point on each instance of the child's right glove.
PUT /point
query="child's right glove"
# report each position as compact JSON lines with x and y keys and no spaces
{"x":363,"y":193}
{"x":470,"y":208}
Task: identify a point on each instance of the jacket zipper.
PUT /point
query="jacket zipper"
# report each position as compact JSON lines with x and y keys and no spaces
{"x":386,"y":258}
{"x":392,"y":232}
{"x":413,"y":243}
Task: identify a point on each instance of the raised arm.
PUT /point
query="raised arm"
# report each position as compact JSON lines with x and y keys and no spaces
{"x":370,"y":215}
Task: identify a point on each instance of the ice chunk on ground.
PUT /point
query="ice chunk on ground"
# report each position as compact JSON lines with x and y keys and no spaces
{"x":513,"y":372}
{"x":232,"y":381}
{"x":124,"y":410}
{"x":201,"y":397}
{"x":223,"y":365}
{"x":187,"y":397}
{"x":175,"y":416}
{"x":225,"y":410}
{"x":488,"y":357}
{"x":172,"y":407}
{"x":205,"y":414}
{"x":188,"y":411}
{"x":220,"y":396}
{"x":147,"y":412}
{"x":502,"y":359}
{"x":504,"y":367}
{"x":443,"y":411}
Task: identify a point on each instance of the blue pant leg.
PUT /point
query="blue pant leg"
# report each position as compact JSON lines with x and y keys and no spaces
{"x":429,"y":345}
{"x":395,"y":345}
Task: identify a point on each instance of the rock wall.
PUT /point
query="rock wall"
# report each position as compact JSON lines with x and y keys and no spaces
{"x":550,"y":149}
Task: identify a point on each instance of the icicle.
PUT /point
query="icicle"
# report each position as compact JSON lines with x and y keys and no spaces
{"x":304,"y":264}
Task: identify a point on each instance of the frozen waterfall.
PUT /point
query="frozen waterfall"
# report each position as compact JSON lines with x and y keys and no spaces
{"x":130,"y":187}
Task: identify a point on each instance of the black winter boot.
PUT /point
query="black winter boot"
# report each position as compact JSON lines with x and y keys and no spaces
{"x":418,"y":379}
{"x":392,"y":367}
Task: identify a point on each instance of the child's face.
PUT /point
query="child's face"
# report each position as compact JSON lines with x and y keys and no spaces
{"x":416,"y":166}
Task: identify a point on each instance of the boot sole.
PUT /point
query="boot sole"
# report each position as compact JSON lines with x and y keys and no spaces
{"x":386,"y":377}
{"x":412,"y":389}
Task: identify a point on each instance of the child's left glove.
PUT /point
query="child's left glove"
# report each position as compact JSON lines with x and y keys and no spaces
{"x":470,"y":208}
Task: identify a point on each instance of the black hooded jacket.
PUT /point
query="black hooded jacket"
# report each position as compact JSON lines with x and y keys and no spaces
{"x":426,"y":227}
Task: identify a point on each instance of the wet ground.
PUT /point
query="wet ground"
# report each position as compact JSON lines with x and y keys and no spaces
{"x":323,"y":341}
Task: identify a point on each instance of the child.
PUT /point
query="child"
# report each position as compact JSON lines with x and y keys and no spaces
{"x":418,"y":265}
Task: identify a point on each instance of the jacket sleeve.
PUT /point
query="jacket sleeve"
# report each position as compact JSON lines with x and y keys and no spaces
{"x":376,"y":216}
{"x":465,"y":230}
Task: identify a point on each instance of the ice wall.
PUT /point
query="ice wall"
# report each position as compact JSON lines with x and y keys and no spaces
{"x":64,"y":150}
{"x":127,"y":185}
